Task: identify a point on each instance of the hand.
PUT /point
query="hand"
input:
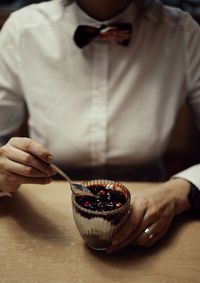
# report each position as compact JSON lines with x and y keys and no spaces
{"x":153,"y":210}
{"x":24,"y":161}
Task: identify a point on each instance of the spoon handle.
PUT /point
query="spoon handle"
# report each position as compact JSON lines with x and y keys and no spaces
{"x":77,"y":189}
{"x":61,"y":173}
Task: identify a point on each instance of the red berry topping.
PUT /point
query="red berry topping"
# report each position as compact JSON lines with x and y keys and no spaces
{"x":87,"y":203}
{"x":104,"y":199}
{"x":102,"y":193}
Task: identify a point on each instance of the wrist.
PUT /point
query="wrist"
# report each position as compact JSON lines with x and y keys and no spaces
{"x":179,"y":189}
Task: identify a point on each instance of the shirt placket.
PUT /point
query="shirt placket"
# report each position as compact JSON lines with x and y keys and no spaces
{"x":99,"y":105}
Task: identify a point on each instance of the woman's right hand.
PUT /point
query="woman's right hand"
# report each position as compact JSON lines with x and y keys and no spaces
{"x":24,"y":161}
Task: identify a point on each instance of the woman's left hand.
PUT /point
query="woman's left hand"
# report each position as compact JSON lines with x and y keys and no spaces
{"x":153,"y":210}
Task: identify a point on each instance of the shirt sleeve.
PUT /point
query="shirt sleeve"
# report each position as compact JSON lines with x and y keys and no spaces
{"x":12,"y":108}
{"x":191,"y":174}
{"x":192,"y":61}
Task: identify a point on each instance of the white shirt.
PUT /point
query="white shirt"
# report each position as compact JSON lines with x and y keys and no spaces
{"x":105,"y":104}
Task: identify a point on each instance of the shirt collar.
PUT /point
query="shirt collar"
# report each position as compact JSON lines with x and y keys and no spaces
{"x":128,"y":15}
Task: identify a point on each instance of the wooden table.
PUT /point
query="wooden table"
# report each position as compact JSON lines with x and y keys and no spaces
{"x":39,"y":242}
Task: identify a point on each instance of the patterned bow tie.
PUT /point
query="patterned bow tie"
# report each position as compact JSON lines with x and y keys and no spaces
{"x":119,"y":33}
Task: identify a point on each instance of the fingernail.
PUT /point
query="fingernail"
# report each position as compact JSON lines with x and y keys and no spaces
{"x":50,"y":158}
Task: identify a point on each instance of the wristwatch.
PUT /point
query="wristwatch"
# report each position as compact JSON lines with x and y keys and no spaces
{"x":194,"y":199}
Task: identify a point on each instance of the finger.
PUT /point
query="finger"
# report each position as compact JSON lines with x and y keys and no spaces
{"x":125,"y":235}
{"x":147,"y":219}
{"x":28,"y":145}
{"x":121,"y":245}
{"x":144,"y":238}
{"x":151,"y":217}
{"x":154,"y":240}
{"x":135,"y":226}
{"x":12,"y":178}
{"x":26,"y":158}
{"x":24,"y":170}
{"x":128,"y":227}
{"x":129,"y":240}
{"x":163,"y":228}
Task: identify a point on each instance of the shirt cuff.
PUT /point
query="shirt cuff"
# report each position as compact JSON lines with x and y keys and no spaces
{"x":192,"y":174}
{"x":5,"y":194}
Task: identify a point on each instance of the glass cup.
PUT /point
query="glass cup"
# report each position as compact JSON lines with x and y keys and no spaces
{"x":98,"y":227}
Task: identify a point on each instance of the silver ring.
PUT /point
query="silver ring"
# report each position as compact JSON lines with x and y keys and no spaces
{"x":148,"y":233}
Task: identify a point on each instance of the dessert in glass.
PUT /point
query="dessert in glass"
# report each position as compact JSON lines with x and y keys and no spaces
{"x":100,"y":216}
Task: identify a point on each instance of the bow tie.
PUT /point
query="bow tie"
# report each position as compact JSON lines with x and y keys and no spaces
{"x":119,"y":33}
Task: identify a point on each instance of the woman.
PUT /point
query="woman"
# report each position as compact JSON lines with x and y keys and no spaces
{"x":103,"y":83}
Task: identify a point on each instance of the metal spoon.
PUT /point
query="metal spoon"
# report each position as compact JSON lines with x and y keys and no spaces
{"x":77,"y":189}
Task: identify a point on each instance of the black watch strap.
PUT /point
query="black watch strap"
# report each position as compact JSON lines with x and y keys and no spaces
{"x":194,"y":199}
